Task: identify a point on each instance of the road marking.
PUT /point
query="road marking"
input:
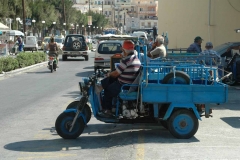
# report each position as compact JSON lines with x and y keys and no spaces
{"x":140,"y":145}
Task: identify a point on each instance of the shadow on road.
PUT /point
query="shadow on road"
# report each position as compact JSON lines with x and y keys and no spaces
{"x":40,"y":72}
{"x":84,"y":74}
{"x":90,"y":67}
{"x":72,"y":59}
{"x":74,"y":94}
{"x":232,"y":121}
{"x":121,"y":135}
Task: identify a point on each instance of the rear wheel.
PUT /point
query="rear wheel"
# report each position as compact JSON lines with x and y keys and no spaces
{"x":86,"y":58}
{"x":64,"y":57}
{"x":183,"y":124}
{"x":87,"y":111}
{"x":51,"y":68}
{"x":63,"y":124}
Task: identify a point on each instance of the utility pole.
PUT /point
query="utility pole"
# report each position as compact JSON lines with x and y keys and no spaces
{"x":102,"y":7}
{"x":64,"y":16}
{"x":24,"y":20}
{"x":89,"y":7}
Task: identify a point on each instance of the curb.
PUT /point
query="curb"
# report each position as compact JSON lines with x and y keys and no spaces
{"x":22,"y":70}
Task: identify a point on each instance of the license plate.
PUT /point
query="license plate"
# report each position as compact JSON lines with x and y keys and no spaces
{"x":106,"y":64}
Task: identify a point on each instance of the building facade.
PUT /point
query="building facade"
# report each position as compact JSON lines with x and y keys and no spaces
{"x":124,"y":15}
{"x":213,"y":20}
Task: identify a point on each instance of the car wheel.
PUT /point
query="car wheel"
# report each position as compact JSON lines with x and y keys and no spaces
{"x":76,"y":45}
{"x":86,"y":58}
{"x":64,"y":57}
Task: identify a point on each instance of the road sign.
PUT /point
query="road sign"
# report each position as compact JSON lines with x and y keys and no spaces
{"x":28,"y":22}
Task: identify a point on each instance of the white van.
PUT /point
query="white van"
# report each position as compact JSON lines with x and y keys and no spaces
{"x":139,"y":34}
{"x":30,"y":44}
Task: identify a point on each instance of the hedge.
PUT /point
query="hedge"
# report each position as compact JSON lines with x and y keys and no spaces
{"x":23,"y":59}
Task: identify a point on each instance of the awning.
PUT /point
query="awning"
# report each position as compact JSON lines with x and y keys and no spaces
{"x":3,"y":27}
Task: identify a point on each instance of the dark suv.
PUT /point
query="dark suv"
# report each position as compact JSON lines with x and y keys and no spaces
{"x":75,"y":45}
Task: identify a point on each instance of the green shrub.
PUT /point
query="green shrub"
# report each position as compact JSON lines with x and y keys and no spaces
{"x":23,"y":59}
{"x":7,"y":64}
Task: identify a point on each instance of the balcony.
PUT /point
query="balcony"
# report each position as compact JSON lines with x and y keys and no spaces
{"x":148,"y":12}
{"x":149,"y":18}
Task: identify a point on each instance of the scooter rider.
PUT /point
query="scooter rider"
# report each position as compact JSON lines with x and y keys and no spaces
{"x":53,"y":49}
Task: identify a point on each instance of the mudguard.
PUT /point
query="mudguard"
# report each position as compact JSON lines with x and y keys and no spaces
{"x":75,"y":111}
{"x":181,"y":105}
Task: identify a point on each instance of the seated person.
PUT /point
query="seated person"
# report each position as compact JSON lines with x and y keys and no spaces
{"x":196,"y":46}
{"x":158,"y":48}
{"x":210,"y":52}
{"x":125,"y":73}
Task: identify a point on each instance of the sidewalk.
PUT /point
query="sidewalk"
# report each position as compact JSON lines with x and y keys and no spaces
{"x":22,"y":70}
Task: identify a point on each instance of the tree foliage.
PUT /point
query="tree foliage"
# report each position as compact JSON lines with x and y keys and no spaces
{"x":59,"y":11}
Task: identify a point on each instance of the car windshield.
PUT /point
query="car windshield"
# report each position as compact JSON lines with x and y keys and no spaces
{"x":70,"y":39}
{"x":46,"y":40}
{"x":109,"y":48}
{"x":58,"y":40}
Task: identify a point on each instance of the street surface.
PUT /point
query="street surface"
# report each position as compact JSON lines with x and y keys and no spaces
{"x":30,"y":103}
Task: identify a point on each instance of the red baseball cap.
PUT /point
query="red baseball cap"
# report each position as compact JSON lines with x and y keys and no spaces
{"x":128,"y":45}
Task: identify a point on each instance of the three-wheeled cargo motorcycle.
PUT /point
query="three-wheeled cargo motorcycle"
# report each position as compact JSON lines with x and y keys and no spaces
{"x":175,"y":94}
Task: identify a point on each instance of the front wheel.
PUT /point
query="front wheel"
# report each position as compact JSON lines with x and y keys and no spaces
{"x":87,"y":111}
{"x":63,"y":124}
{"x":183,"y":124}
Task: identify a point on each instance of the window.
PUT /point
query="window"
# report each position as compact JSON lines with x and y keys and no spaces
{"x":110,"y":13}
{"x":105,"y":12}
{"x":143,"y":23}
{"x":138,"y":2}
{"x":141,"y":9}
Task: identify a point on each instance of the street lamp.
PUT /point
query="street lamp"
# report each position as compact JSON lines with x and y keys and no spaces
{"x":54,"y":27}
{"x":17,"y":19}
{"x":82,"y":29}
{"x":77,"y":28}
{"x":64,"y":24}
{"x":89,"y":30}
{"x":43,"y":22}
{"x":33,"y":21}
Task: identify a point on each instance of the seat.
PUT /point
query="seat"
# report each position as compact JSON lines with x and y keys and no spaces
{"x":105,"y":49}
{"x":132,"y":92}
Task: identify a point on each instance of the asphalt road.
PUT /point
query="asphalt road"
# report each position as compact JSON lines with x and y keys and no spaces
{"x":30,"y":103}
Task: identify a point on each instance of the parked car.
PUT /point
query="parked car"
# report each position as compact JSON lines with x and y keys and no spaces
{"x":108,"y":46}
{"x":31,"y":44}
{"x":74,"y":46}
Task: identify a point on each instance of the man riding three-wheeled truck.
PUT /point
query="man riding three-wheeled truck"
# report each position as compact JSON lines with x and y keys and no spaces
{"x":175,"y":93}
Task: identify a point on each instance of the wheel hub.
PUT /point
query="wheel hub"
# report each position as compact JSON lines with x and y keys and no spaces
{"x":183,"y":124}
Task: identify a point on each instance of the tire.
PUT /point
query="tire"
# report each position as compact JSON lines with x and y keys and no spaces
{"x":86,"y":58}
{"x":87,"y":111}
{"x":76,"y":45}
{"x":183,"y":124}
{"x":51,"y":68}
{"x":64,"y":57}
{"x":62,"y":126}
{"x":54,"y":66}
{"x":181,"y":78}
